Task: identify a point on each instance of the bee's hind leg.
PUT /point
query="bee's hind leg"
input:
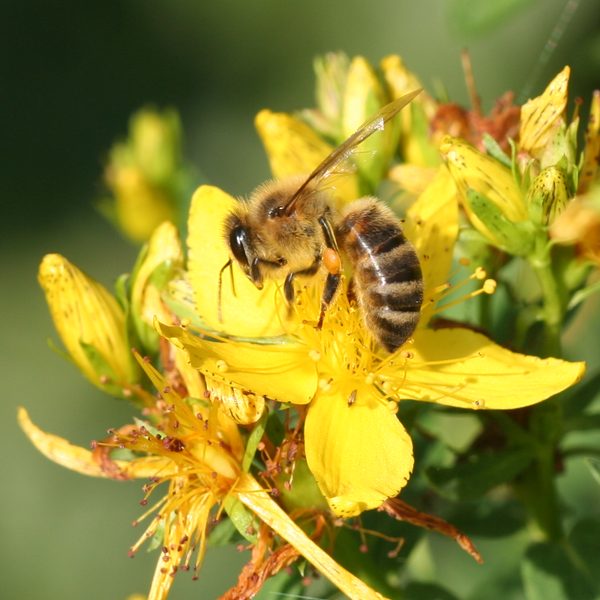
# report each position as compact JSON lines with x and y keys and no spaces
{"x":333,"y":264}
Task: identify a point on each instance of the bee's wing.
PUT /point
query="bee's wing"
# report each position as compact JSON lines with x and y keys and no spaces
{"x":345,"y":149}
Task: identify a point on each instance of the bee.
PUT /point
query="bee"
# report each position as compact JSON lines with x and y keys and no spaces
{"x":288,"y":229}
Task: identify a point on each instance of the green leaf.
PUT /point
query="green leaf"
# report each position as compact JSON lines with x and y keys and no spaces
{"x":223,"y":533}
{"x":253,"y":441}
{"x":426,"y":591}
{"x":480,"y":472}
{"x":243,"y":520}
{"x":564,"y":571}
{"x":580,"y":397}
{"x":594,"y":465}
{"x":489,"y":518}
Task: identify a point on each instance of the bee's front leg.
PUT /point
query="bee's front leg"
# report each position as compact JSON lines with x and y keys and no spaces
{"x":288,"y":285}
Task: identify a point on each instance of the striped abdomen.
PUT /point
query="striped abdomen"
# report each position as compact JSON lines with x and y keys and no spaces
{"x":387,"y":274}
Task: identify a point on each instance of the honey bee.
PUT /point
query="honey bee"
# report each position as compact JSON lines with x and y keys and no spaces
{"x":288,"y":229}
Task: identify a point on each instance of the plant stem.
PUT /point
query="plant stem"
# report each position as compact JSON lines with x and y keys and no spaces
{"x":553,"y":308}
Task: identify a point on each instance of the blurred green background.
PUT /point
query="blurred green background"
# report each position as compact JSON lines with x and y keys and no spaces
{"x":72,"y":74}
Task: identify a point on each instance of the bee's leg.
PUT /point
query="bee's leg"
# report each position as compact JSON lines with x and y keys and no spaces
{"x":288,"y":285}
{"x":333,"y":264}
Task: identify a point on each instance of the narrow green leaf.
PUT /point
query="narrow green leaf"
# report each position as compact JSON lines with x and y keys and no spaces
{"x":243,"y":520}
{"x":253,"y":441}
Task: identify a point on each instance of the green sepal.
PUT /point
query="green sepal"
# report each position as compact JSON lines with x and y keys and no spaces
{"x":514,"y":238}
{"x":304,"y":492}
{"x":103,"y":370}
{"x":492,"y":147}
{"x":244,"y":520}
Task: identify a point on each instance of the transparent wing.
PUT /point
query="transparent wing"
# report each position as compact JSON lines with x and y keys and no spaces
{"x":347,"y":148}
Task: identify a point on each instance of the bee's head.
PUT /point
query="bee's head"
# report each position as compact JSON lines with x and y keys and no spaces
{"x":238,"y":239}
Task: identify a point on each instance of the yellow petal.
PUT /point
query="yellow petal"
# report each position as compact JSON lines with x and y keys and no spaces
{"x":458,"y":367}
{"x":85,"y":313}
{"x":258,"y":500}
{"x":294,"y":148}
{"x":415,"y":143}
{"x":282,"y":372}
{"x":591,"y":152}
{"x":81,"y":460}
{"x":541,"y":116}
{"x":363,"y":97}
{"x":432,"y":227}
{"x":140,"y":207}
{"x":247,"y":313}
{"x":359,"y":452}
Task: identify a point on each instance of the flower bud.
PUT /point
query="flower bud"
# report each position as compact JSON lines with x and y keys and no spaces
{"x":489,"y":195}
{"x":547,"y":196}
{"x":416,"y":145}
{"x":90,"y":323}
{"x":331,"y":71}
{"x":363,"y":97}
{"x":159,"y":259}
{"x":145,"y":174}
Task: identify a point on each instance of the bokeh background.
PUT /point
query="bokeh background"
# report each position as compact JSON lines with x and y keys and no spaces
{"x":72,"y":73}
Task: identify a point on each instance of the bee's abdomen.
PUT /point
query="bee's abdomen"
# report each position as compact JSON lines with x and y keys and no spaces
{"x":387,"y":274}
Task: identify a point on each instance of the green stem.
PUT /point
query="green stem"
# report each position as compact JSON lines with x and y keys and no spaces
{"x":553,"y":308}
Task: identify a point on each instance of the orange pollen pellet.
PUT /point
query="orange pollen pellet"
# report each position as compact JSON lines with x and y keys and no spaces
{"x":332,"y":262}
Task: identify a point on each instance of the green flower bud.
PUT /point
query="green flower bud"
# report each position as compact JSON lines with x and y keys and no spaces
{"x":547,"y":196}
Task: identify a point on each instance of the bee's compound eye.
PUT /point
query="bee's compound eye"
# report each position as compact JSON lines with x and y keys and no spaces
{"x":238,"y":242}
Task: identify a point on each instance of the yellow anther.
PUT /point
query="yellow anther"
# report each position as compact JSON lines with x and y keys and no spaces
{"x":314,"y":355}
{"x":489,"y":286}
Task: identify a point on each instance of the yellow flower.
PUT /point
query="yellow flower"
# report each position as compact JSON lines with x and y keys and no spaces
{"x":90,"y":323}
{"x":356,"y":448}
{"x":196,"y":452}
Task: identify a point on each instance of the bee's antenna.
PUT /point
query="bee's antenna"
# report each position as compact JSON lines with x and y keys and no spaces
{"x":228,"y":264}
{"x":567,"y":13}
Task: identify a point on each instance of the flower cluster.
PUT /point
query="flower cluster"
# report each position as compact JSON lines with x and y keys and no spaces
{"x":287,"y":429}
